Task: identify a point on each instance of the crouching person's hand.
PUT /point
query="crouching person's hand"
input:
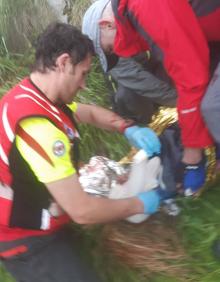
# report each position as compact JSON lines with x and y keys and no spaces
{"x":150,"y":200}
{"x":143,"y":138}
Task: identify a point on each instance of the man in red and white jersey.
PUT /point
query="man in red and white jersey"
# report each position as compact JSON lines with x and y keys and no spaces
{"x":39,"y":188}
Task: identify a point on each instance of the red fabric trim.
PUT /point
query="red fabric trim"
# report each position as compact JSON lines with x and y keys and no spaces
{"x":5,"y":205}
{"x":8,"y":234}
{"x":56,"y":222}
{"x":15,"y":251}
{"x":33,"y":144}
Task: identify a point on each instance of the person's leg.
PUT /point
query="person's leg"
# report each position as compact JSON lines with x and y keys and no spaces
{"x":55,"y":260}
{"x":211,"y":105}
{"x":214,"y":48}
{"x":171,"y":155}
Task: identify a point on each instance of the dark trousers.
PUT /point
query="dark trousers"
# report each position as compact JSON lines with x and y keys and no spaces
{"x":128,"y":104}
{"x":52,"y":258}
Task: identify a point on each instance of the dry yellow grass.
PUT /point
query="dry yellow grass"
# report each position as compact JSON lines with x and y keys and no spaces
{"x":153,"y":246}
{"x":75,"y":10}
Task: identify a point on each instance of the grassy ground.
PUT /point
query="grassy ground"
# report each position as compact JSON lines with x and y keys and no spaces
{"x":21,"y":21}
{"x":198,"y":225}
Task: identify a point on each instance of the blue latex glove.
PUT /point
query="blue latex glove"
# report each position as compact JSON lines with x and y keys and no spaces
{"x":194,"y":178}
{"x":151,"y":201}
{"x":143,"y":138}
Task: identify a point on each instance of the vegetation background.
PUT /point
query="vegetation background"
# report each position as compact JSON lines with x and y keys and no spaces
{"x":198,"y":225}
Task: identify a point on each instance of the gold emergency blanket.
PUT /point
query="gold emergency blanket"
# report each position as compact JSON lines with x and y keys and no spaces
{"x":161,"y":120}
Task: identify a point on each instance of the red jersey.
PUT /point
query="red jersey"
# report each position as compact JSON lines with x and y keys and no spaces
{"x":177,"y":33}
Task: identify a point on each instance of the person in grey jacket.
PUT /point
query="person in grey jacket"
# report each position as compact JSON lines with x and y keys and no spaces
{"x":139,"y":86}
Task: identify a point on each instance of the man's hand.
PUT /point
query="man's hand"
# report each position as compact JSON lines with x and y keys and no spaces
{"x":150,"y":200}
{"x":143,"y":138}
{"x":194,"y":178}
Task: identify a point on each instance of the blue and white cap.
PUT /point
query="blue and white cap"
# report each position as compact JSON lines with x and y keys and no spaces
{"x":91,"y":28}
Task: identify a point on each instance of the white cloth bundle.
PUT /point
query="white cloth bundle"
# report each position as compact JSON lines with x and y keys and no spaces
{"x":144,"y":176}
{"x":99,"y":177}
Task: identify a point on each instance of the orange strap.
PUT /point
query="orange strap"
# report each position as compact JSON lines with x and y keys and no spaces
{"x":32,"y":143}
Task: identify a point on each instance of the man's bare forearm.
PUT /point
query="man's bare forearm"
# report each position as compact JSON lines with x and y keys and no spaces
{"x":86,"y":209}
{"x":102,"y":118}
{"x":101,"y":210}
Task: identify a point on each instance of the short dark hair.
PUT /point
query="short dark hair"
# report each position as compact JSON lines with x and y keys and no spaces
{"x":59,"y":38}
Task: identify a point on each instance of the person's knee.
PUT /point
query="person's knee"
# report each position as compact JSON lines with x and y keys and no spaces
{"x":125,"y":95}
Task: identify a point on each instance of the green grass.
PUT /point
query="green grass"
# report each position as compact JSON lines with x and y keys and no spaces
{"x":21,"y":21}
{"x":75,"y":10}
{"x":12,"y":69}
{"x":199,"y":227}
